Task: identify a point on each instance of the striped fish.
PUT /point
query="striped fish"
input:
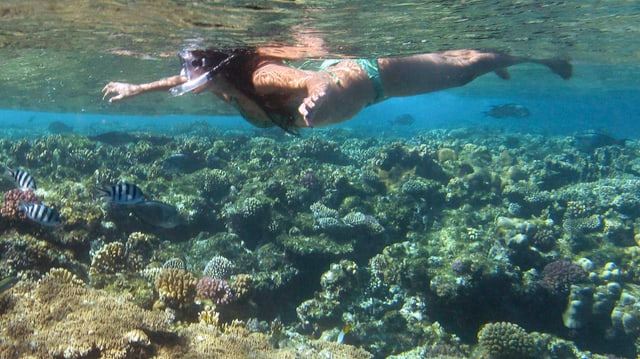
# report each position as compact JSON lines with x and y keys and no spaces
{"x":41,"y":213}
{"x":123,"y":194}
{"x":22,"y":179}
{"x":7,"y":283}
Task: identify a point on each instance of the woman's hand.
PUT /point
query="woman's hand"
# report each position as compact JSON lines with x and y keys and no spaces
{"x":121,"y":90}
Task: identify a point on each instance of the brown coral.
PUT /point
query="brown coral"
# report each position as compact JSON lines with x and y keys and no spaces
{"x":139,"y":249}
{"x":11,"y":205}
{"x":176,"y":287}
{"x":55,"y":319}
{"x":208,"y":316}
{"x":109,"y":259}
{"x":236,"y":342}
{"x":64,"y":276}
{"x":241,"y":286}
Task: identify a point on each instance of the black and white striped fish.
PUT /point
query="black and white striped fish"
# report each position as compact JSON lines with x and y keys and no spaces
{"x":41,"y":213}
{"x":123,"y":194}
{"x":22,"y":179}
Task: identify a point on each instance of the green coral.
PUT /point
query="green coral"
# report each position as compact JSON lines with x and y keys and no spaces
{"x":504,"y":340}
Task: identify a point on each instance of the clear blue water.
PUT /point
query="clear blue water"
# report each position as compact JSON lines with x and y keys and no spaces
{"x":589,"y":101}
{"x":57,"y":58}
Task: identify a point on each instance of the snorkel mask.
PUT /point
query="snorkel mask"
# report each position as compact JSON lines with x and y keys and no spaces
{"x":193,"y":66}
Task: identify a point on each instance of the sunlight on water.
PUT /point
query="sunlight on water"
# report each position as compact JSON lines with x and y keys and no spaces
{"x":497,"y":219}
{"x":57,"y":57}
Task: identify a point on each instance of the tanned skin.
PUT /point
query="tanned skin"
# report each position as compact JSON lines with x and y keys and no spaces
{"x":336,"y":94}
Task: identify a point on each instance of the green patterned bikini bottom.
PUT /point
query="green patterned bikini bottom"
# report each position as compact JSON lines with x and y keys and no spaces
{"x":370,"y":66}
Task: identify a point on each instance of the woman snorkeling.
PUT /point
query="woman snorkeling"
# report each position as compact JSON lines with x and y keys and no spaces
{"x":268,"y":90}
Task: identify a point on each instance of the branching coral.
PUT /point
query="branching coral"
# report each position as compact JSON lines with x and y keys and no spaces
{"x":57,"y":319}
{"x":12,"y":199}
{"x":559,"y":275}
{"x":216,"y":290}
{"x":236,"y":342}
{"x":241,"y":286}
{"x":64,"y":276}
{"x":215,"y":183}
{"x":108,"y":259}
{"x":209,"y":316}
{"x":176,"y":287}
{"x":505,"y":340}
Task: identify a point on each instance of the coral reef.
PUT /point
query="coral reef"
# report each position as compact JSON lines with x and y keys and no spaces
{"x":242,"y":286}
{"x":83,"y":323}
{"x":403,"y":245}
{"x":108,"y":259}
{"x":216,"y":290}
{"x":625,"y":316}
{"x":218,"y":267}
{"x":13,"y":198}
{"x":208,"y":316}
{"x":176,"y":287}
{"x":88,"y":323}
{"x":559,"y":275}
{"x":503,"y":340}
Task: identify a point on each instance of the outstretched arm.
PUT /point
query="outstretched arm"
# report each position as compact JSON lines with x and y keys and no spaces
{"x":275,"y":77}
{"x":122,"y":90}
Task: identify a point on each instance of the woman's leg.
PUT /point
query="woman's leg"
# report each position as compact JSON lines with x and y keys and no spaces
{"x":406,"y":76}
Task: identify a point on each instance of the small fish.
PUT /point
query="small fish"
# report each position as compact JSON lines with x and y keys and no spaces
{"x":512,"y":110}
{"x":58,"y":128}
{"x":589,"y":141}
{"x":181,"y":163}
{"x":403,"y":120}
{"x":114,"y":138}
{"x":22,"y":179}
{"x":343,"y":332}
{"x":41,"y":213}
{"x":158,"y":214}
{"x":6,"y":283}
{"x":123,"y":194}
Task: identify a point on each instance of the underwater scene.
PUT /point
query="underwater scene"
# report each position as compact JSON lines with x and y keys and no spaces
{"x":491,"y":220}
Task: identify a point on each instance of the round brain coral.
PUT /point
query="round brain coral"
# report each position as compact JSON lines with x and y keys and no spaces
{"x":218,"y":267}
{"x":505,"y":340}
{"x":176,"y":287}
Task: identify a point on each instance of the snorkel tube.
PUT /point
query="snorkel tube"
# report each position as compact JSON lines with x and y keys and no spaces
{"x":190,"y":85}
{"x":201,"y":80}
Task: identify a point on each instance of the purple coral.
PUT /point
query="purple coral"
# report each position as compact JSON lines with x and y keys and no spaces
{"x":216,"y":290}
{"x":459,"y":267}
{"x":13,"y":198}
{"x":559,"y":275}
{"x":308,"y":180}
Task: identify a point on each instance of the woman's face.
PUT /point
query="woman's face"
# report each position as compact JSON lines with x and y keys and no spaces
{"x":194,"y":67}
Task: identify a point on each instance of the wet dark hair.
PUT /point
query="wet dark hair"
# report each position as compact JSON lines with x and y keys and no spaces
{"x":237,"y":67}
